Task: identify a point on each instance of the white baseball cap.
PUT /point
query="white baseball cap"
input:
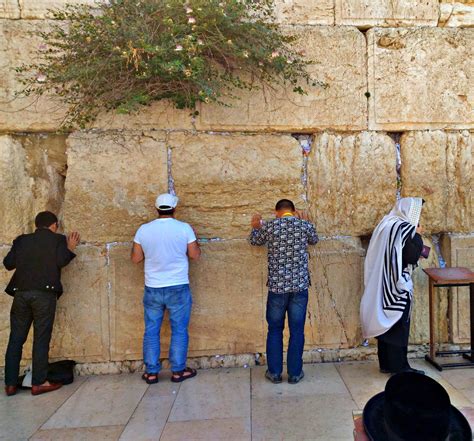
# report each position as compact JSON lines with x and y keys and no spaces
{"x":166,"y":201}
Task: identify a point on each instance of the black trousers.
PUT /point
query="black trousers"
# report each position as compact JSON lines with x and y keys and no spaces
{"x":39,"y":308}
{"x":392,"y":358}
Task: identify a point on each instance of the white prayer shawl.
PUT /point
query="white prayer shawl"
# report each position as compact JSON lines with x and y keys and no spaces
{"x":388,"y":286}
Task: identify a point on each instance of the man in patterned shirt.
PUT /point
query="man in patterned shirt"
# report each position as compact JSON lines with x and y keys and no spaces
{"x":287,"y":238}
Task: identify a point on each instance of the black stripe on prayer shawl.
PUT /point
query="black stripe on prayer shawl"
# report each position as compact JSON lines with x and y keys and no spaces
{"x":395,"y":299}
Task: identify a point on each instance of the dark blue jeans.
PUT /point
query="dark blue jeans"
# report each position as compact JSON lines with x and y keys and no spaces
{"x":295,"y":303}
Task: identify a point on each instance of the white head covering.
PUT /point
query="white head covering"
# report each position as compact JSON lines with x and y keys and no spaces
{"x":388,"y":286}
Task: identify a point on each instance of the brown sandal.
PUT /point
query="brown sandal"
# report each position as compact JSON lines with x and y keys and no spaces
{"x":180,"y":376}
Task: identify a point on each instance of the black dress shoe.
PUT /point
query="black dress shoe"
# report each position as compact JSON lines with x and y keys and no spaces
{"x":275,"y":379}
{"x":385,"y":371}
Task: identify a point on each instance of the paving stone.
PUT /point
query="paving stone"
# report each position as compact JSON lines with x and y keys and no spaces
{"x":107,"y":433}
{"x":34,"y":411}
{"x":230,"y":429}
{"x":213,"y":395}
{"x":101,"y":401}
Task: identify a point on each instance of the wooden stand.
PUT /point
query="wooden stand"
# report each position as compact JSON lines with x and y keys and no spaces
{"x":450,"y":277}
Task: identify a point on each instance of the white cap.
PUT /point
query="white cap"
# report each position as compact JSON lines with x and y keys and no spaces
{"x":166,"y":201}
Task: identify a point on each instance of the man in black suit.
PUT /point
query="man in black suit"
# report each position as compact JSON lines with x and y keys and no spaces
{"x":35,"y":286}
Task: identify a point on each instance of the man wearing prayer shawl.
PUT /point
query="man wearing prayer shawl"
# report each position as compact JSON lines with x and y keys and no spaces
{"x":385,"y":308}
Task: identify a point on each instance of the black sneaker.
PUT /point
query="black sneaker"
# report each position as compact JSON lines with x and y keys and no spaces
{"x":296,"y":379}
{"x":275,"y":379}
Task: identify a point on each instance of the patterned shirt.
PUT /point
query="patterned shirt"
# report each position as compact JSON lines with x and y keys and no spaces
{"x":287,"y":239}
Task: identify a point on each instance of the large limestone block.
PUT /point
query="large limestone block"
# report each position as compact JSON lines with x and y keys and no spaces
{"x":159,"y":115}
{"x":9,"y":9}
{"x":40,"y":8}
{"x":438,"y":166}
{"x":81,"y":329}
{"x":420,"y":319}
{"x":339,"y":55}
{"x":352,"y":181}
{"x":5,"y":305}
{"x":313,"y":12}
{"x":337,"y":287}
{"x":366,"y":14}
{"x":31,"y":179}
{"x":19,"y":42}
{"x":457,"y":14}
{"x":421,"y":78}
{"x":228,"y":284}
{"x":112,"y":183}
{"x":458,"y":250}
{"x":222,"y":179}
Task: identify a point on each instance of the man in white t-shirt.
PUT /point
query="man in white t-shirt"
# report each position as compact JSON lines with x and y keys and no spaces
{"x":166,"y":244}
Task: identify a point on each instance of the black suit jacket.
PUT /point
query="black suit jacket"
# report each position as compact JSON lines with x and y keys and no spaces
{"x":37,"y":259}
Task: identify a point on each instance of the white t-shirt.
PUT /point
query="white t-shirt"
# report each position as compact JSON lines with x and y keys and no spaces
{"x":165,"y":243}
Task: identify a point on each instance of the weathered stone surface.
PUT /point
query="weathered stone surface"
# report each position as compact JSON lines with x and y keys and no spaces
{"x":19,"y":41}
{"x":5,"y":305}
{"x":337,"y":287}
{"x":458,"y":250}
{"x":314,"y":12}
{"x":159,"y":115}
{"x":435,"y":67}
{"x":9,"y":9}
{"x":113,"y":180}
{"x":39,"y":8}
{"x":438,"y":166}
{"x":457,"y":14}
{"x":420,"y":319}
{"x":227,"y":309}
{"x":366,"y":14}
{"x":352,"y":181}
{"x":223,"y":179}
{"x":81,"y":329}
{"x":339,"y":56}
{"x":31,"y":169}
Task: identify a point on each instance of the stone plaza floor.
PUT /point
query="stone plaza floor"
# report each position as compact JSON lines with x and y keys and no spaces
{"x":219,"y":404}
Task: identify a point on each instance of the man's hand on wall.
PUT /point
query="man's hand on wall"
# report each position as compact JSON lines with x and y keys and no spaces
{"x":302,"y":214}
{"x":73,"y":240}
{"x":256,"y":221}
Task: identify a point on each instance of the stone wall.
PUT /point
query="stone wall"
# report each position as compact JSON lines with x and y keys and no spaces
{"x":396,"y":116}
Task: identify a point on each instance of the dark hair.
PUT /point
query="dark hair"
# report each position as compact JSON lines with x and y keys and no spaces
{"x":45,"y":219}
{"x":284,"y":204}
{"x":168,"y":212}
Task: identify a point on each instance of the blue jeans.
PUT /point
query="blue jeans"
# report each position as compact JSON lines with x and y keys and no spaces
{"x":295,"y":303}
{"x":178,"y":301}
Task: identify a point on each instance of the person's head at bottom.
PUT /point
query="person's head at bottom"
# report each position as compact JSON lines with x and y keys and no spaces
{"x":166,"y":204}
{"x":414,"y":407}
{"x":46,"y":220}
{"x":284,"y":207}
